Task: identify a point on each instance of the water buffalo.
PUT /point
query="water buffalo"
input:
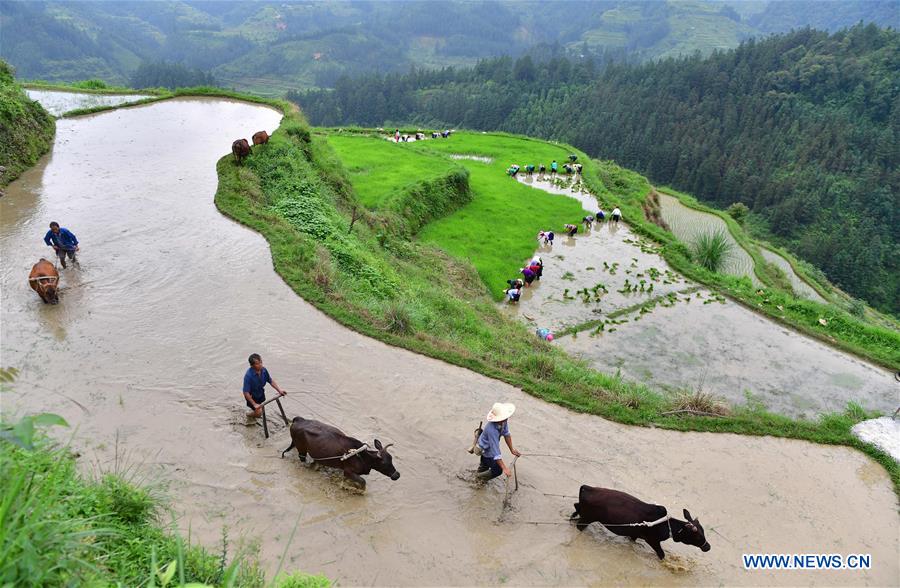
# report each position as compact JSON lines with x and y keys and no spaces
{"x":331,"y":447}
{"x":623,"y":514}
{"x":260,"y":138}
{"x":241,"y":149}
{"x":44,"y":279}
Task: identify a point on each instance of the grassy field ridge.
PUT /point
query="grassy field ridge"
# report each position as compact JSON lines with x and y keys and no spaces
{"x":26,"y":128}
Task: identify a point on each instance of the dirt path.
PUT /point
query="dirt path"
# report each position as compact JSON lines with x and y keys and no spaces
{"x":152,"y":337}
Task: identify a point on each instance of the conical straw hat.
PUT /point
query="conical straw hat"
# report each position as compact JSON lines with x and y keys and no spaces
{"x":500,"y":412}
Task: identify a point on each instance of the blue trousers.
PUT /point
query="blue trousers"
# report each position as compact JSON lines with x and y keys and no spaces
{"x":490,"y":464}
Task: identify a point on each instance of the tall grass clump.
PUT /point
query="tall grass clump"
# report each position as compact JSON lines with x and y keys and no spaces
{"x":711,"y":249}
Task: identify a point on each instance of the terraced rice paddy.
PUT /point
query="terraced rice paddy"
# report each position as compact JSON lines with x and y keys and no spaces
{"x":801,"y":288}
{"x":688,"y":224}
{"x":631,"y":312}
{"x":680,"y":336}
{"x":57,"y":102}
{"x":603,"y":269}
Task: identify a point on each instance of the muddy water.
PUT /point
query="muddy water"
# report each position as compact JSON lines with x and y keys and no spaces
{"x":699,"y":343}
{"x":152,"y":334}
{"x":608,"y":261}
{"x":801,"y":288}
{"x":57,"y":103}
{"x":726,"y":349}
{"x":688,"y":224}
{"x":601,"y":258}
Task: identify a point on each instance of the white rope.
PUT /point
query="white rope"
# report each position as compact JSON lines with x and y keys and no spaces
{"x":665,"y":519}
{"x":39,"y":278}
{"x":344,"y":457}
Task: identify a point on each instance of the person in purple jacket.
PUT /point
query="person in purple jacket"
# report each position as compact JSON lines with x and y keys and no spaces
{"x":528,"y":274}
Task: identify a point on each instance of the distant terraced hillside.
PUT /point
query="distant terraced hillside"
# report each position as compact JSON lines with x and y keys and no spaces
{"x":270,"y":47}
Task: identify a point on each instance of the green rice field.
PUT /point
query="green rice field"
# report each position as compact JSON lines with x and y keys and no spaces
{"x":496,"y":231}
{"x":379,"y":168}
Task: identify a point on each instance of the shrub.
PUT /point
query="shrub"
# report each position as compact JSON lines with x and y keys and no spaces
{"x":738,"y":211}
{"x":857,"y":308}
{"x":711,"y":250}
{"x":90,"y":85}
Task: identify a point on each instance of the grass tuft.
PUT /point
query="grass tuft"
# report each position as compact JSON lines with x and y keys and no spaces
{"x":711,"y":249}
{"x":698,"y":402}
{"x":397,"y":319}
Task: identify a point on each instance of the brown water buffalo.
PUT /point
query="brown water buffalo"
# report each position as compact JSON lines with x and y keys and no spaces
{"x":240,"y":149}
{"x":260,"y":138}
{"x":331,"y":447}
{"x":623,"y":514}
{"x":44,"y":279}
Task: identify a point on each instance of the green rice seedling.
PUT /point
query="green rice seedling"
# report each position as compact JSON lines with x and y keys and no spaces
{"x":568,"y":276}
{"x":711,"y":250}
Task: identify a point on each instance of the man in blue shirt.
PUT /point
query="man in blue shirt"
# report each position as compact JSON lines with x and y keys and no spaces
{"x":63,"y":242}
{"x":255,"y":380}
{"x":489,"y":442}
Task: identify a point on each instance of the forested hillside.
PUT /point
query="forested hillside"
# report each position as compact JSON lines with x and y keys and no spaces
{"x":271,"y":47}
{"x":803,"y":128}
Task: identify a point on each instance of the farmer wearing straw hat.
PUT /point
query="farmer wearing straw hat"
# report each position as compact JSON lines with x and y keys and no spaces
{"x":489,"y":442}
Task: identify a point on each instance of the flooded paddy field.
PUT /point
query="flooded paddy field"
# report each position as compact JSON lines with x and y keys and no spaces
{"x":688,"y":224}
{"x":58,"y":102}
{"x":692,"y":339}
{"x":726,"y":349}
{"x":801,"y":288}
{"x":151,"y":337}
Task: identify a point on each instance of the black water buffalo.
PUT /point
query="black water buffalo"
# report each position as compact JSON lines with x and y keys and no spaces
{"x":241,"y":149}
{"x":617,"y":511}
{"x":331,"y":447}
